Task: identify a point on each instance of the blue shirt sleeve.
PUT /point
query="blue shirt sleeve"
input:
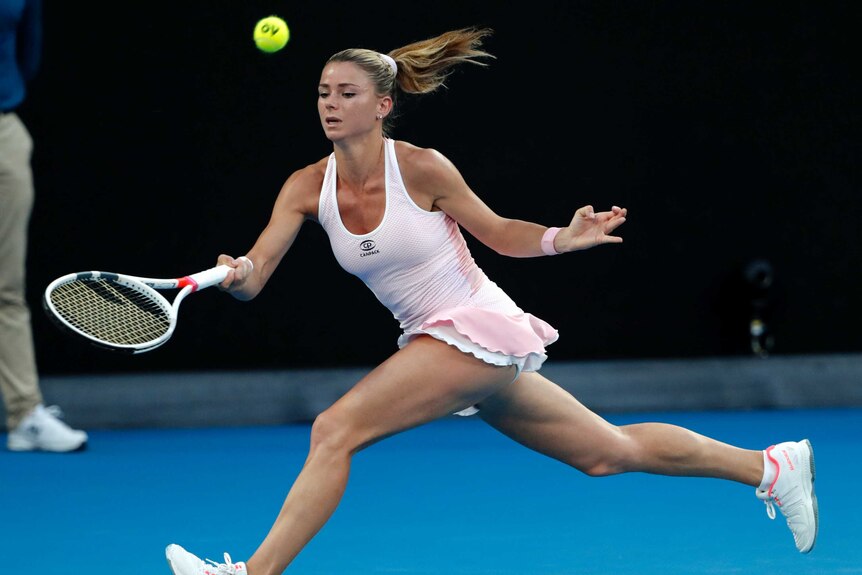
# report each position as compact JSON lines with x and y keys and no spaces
{"x":29,"y":47}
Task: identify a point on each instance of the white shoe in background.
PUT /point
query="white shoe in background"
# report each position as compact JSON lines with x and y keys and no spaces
{"x":43,"y":430}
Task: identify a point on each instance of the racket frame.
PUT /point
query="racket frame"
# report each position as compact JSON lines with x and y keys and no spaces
{"x":148,"y":287}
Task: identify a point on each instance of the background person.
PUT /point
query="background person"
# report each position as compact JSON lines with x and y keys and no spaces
{"x":31,"y":425}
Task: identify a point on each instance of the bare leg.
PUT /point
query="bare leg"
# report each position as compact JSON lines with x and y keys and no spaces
{"x":407,"y":390}
{"x":544,"y":417}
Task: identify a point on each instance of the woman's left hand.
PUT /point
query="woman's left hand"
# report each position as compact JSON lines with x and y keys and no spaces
{"x":589,"y":228}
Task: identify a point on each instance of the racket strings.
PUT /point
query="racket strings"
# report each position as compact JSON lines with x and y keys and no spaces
{"x":111,"y":312}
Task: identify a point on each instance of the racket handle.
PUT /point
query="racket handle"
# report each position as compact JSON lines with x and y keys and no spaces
{"x":206,"y":278}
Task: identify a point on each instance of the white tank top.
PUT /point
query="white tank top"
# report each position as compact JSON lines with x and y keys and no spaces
{"x":416,"y":262}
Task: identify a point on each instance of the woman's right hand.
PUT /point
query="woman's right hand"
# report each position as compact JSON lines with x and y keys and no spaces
{"x":236,"y":278}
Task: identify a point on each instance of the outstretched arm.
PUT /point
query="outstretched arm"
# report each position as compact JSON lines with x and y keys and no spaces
{"x":296,"y":202}
{"x":432,"y":176}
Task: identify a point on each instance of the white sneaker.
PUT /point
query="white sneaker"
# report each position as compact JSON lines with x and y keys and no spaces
{"x":793,"y":490}
{"x":42,"y":430}
{"x":184,"y":563}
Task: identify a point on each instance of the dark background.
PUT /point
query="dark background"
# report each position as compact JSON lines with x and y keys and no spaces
{"x":728,"y":129}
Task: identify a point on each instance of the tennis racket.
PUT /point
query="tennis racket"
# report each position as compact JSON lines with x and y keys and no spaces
{"x":121,"y":312}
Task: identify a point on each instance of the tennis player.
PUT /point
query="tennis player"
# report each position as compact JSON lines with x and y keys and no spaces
{"x":393,"y":213}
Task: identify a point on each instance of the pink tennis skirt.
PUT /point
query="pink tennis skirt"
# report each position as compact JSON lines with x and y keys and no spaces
{"x":497,"y":338}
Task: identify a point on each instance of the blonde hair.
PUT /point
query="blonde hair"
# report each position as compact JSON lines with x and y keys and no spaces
{"x":422,"y":67}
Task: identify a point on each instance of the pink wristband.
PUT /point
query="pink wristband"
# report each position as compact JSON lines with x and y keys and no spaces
{"x":548,"y":242}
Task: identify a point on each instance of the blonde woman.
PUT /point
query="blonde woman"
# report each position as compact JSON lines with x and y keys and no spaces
{"x":394,"y":213}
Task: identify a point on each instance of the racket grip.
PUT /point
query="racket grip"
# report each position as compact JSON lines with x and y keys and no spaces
{"x":207,"y":278}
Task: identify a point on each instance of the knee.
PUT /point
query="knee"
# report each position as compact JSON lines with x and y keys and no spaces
{"x":604,"y":466}
{"x":330,"y":433}
{"x":618,"y":456}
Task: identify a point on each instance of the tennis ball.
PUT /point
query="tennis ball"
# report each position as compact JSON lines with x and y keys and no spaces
{"x":271,"y":34}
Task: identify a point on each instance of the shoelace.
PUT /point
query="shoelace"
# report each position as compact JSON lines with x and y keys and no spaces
{"x":227,"y":568}
{"x":768,"y":499}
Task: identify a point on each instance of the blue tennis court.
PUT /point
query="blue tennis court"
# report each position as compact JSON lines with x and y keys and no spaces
{"x":453,"y":497}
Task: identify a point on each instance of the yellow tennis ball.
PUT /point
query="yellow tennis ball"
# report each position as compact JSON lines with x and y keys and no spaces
{"x":271,"y":34}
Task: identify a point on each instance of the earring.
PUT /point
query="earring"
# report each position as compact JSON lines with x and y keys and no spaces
{"x":379,"y":116}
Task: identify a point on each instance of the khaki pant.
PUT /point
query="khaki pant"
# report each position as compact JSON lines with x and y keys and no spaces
{"x":19,"y":380}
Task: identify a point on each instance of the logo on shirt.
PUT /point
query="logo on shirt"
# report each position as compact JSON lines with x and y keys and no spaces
{"x":368,"y":247}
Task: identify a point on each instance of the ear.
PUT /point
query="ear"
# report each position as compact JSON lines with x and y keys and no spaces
{"x":384,"y":106}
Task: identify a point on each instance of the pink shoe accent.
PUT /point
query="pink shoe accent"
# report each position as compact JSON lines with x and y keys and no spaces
{"x":777,"y":472}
